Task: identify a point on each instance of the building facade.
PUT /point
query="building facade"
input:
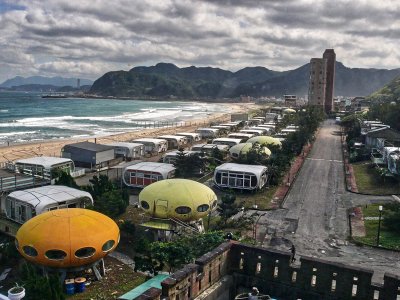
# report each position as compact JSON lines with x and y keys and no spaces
{"x":290,"y":100}
{"x":234,"y":268}
{"x":330,"y":57}
{"x":317,"y":84}
{"x":322,"y":78}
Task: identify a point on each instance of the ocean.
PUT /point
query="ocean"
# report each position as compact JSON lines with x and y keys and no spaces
{"x":26,"y":117}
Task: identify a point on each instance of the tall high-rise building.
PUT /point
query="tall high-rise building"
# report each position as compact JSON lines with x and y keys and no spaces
{"x":322,"y":77}
{"x":317,"y":84}
{"x":330,"y":57}
{"x":78,"y":83}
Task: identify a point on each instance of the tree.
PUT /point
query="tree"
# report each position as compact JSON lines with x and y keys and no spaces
{"x":146,"y":263}
{"x":189,"y":165}
{"x":202,"y":243}
{"x":388,"y":113}
{"x":256,"y":155}
{"x":352,"y":126}
{"x":228,"y":208}
{"x":39,"y":287}
{"x":217,"y":155}
{"x":108,"y":199}
{"x":66,"y":180}
{"x":176,"y":253}
{"x":392,"y":216}
{"x":173,"y":254}
{"x":99,"y":186}
{"x":111,"y":203}
{"x":180,"y":164}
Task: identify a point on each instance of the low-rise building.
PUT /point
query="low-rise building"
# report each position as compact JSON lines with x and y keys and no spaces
{"x":145,"y":173}
{"x":90,"y":155}
{"x":128,"y":151}
{"x":43,"y":166}
{"x":239,"y":176}
{"x":290,"y":100}
{"x":381,"y":137}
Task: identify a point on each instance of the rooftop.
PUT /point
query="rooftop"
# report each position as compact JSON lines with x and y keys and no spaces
{"x":127,"y":145}
{"x":41,"y":196}
{"x":89,"y":146}
{"x":46,"y":161}
{"x":241,"y":168}
{"x":150,"y":140}
{"x":151,"y":166}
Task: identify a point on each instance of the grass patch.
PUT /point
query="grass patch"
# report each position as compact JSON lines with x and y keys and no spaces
{"x":388,"y":239}
{"x":260,"y":198}
{"x":369,"y":182}
{"x":119,"y":280}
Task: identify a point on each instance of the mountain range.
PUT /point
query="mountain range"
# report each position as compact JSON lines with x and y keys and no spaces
{"x":165,"y":79}
{"x":41,"y":80}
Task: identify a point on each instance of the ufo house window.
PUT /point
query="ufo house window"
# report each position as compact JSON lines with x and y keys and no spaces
{"x":203,"y":208}
{"x":85,"y":252}
{"x":30,"y":251}
{"x":183,"y":210}
{"x":108,"y":245}
{"x":144,"y":204}
{"x":55,"y":254}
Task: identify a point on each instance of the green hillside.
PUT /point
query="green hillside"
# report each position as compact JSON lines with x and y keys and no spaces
{"x":164,"y":79}
{"x":390,"y":92}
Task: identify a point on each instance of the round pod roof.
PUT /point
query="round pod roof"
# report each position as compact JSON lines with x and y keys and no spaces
{"x":244,"y":148}
{"x":265,"y":139}
{"x":183,"y":199}
{"x":289,"y":111}
{"x":66,"y":238}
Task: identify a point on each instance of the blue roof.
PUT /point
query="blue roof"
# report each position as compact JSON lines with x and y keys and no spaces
{"x":139,"y":290}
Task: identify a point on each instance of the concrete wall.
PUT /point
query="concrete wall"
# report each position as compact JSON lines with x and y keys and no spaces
{"x":239,"y":117}
{"x":234,"y":267}
{"x":87,"y":158}
{"x":79,"y":155}
{"x":317,"y":83}
{"x":104,"y":156}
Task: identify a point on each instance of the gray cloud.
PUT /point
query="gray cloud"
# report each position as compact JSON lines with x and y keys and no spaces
{"x":86,"y":38}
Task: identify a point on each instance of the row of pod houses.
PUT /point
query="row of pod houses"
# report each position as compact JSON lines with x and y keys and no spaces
{"x":228,"y":175}
{"x":30,"y":201}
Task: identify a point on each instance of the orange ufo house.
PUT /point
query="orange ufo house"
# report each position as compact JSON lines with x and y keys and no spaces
{"x":68,"y":239}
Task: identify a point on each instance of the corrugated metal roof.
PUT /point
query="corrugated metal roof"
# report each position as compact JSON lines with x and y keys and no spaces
{"x":227,"y":140}
{"x":126,"y":145}
{"x":192,"y":134}
{"x":46,"y":161}
{"x":167,"y":136}
{"x":152,"y":166}
{"x":89,"y":146}
{"x":255,"y":169}
{"x":51,"y":194}
{"x":150,"y":140}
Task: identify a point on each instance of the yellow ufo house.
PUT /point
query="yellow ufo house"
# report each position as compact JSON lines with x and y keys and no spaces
{"x":243,"y":148}
{"x":289,"y":111}
{"x":68,"y":239}
{"x":174,"y":204}
{"x":265,"y":140}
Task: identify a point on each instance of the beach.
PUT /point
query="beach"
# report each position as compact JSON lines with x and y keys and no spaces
{"x":53,"y":147}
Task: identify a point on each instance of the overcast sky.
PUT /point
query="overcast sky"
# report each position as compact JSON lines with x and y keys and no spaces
{"x":86,"y":38}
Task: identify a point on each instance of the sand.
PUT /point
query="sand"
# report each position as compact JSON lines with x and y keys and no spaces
{"x":53,"y":147}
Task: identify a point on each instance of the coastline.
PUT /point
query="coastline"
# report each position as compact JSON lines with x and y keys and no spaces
{"x":53,"y":147}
